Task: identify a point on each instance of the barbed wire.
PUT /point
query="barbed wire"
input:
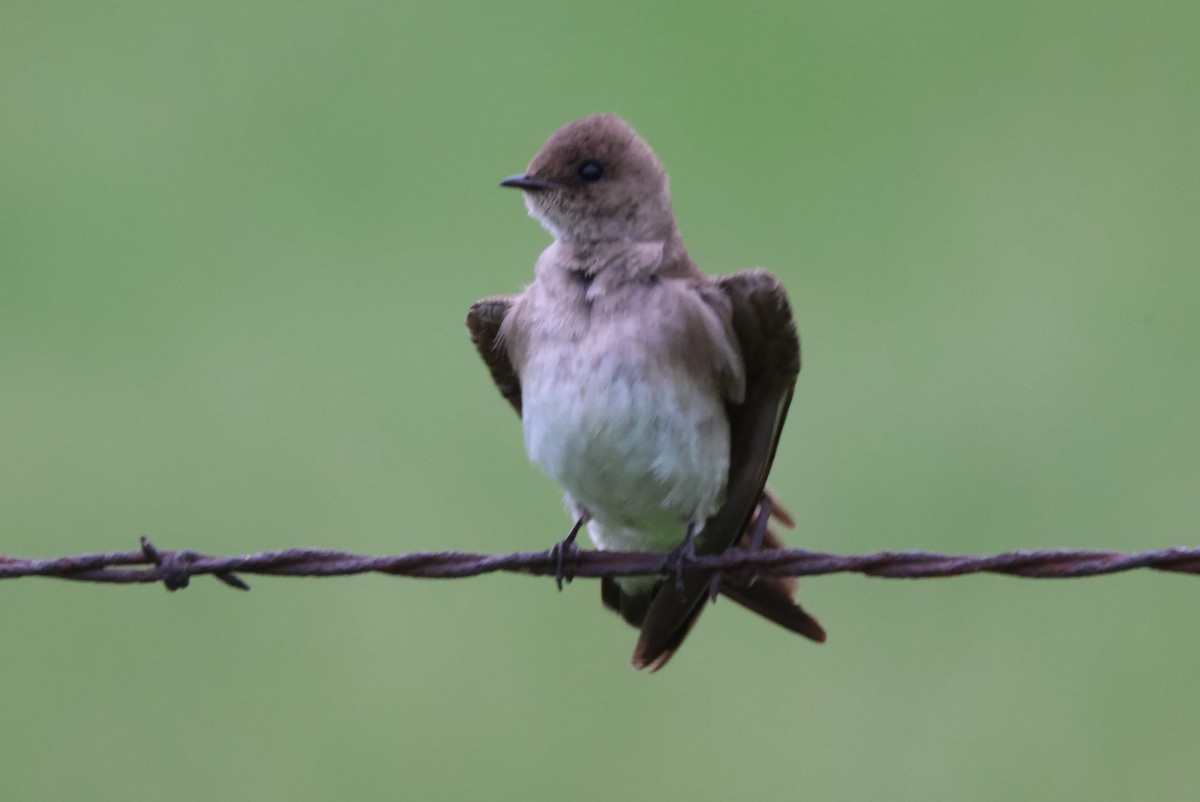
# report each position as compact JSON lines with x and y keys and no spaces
{"x":175,"y":568}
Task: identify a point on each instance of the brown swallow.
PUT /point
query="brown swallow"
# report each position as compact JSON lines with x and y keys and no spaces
{"x":652,"y":392}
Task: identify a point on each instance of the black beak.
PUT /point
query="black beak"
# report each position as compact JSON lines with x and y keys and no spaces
{"x":528,"y":183}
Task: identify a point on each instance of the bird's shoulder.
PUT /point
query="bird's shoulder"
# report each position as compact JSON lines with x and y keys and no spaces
{"x":761,"y":316}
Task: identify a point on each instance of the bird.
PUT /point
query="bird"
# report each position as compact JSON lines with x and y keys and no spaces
{"x":652,"y":392}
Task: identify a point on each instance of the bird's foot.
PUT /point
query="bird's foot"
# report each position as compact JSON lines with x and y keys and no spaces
{"x":562,"y":550}
{"x":752,"y":543}
{"x":758,"y":531}
{"x":678,"y":558}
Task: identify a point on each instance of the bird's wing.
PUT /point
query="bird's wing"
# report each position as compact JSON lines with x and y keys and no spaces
{"x":762,"y":322}
{"x":484,"y":321}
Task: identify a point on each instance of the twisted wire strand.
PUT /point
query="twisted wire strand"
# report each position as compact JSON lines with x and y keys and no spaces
{"x":175,"y":568}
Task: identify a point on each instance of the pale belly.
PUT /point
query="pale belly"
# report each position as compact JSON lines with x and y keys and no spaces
{"x":645,"y":451}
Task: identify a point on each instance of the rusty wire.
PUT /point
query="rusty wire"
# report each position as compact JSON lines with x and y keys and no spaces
{"x":175,"y":568}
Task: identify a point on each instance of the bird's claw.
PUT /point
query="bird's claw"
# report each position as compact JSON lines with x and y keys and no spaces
{"x":758,"y":533}
{"x":677,"y":560}
{"x":561,"y":551}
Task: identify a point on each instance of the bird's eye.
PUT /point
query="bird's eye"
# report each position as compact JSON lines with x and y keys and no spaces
{"x":591,"y":171}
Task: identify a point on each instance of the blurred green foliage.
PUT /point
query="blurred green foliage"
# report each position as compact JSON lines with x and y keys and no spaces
{"x":237,"y":242}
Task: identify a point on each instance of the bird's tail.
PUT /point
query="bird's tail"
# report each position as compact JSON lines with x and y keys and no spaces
{"x":771,"y":597}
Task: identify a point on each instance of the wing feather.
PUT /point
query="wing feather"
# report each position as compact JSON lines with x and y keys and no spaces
{"x":762,"y":322}
{"x":484,"y":321}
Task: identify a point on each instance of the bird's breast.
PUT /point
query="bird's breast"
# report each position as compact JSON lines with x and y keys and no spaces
{"x":636,"y":439}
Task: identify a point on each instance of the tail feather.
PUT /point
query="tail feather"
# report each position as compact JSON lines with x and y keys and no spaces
{"x":773,"y":602}
{"x":630,"y":606}
{"x":778,"y":511}
{"x":771,"y":597}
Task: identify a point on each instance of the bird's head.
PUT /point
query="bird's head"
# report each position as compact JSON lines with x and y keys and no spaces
{"x":596,"y":180}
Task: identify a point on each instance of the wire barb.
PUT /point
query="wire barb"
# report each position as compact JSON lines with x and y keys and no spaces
{"x":176,"y":568}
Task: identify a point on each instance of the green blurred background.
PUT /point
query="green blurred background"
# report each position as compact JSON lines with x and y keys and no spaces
{"x":237,"y":243}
